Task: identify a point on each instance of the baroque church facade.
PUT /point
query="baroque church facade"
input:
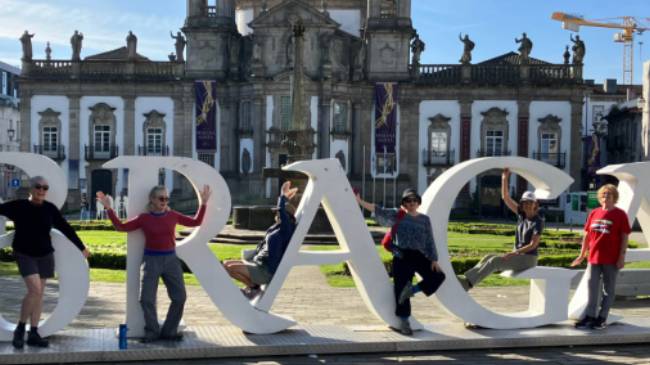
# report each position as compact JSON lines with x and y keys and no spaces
{"x":359,"y":62}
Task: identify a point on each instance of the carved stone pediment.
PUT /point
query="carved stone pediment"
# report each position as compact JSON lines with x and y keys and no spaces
{"x":439,"y":121}
{"x":550,"y":120}
{"x":154,"y":119}
{"x":288,"y":12}
{"x":495,"y":116}
{"x":102,"y":113}
{"x":50,"y":116}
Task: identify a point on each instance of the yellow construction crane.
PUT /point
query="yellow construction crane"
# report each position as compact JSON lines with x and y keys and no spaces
{"x":629,"y":26}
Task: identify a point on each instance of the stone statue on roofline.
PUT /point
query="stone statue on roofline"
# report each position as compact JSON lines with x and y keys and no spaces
{"x":417,"y":47}
{"x":131,"y":45}
{"x":179,"y":45}
{"x":468,"y":46}
{"x":75,"y":42}
{"x":525,"y":48}
{"x":48,"y":52}
{"x":26,"y":41}
{"x":578,"y":49}
{"x":567,"y":55}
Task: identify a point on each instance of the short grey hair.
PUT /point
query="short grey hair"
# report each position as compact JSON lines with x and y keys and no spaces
{"x":35,"y":180}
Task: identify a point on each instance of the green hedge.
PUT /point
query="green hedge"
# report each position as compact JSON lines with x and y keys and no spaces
{"x":462,"y":264}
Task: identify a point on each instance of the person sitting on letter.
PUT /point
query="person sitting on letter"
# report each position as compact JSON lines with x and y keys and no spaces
{"x":527,"y":236}
{"x":258,"y":266}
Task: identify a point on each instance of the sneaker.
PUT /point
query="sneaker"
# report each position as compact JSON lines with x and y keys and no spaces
{"x":584,"y":323}
{"x":250,"y":293}
{"x":19,"y":337}
{"x":405,"y":327}
{"x":464,"y":282}
{"x":405,"y":294}
{"x":34,"y":339}
{"x":599,"y":323}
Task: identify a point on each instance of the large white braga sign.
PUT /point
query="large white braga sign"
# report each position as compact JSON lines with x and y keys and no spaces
{"x":327,"y":185}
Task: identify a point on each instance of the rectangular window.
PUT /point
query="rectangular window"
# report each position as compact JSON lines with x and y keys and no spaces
{"x":50,"y":139}
{"x":439,"y":143}
{"x":285,"y":113}
{"x":340,"y":117}
{"x":208,"y":158}
{"x":154,"y":141}
{"x":102,"y":139}
{"x":386,"y":163}
{"x":549,"y":143}
{"x":494,"y":143}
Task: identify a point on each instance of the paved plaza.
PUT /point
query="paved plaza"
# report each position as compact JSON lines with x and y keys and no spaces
{"x":332,"y":320}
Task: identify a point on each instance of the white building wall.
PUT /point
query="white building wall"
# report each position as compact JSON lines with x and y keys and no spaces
{"x":85,"y":103}
{"x":589,"y":115}
{"x":242,"y":18}
{"x":163,"y":105}
{"x":560,"y":109}
{"x":481,"y":106}
{"x":61,"y":104}
{"x":428,"y":109}
{"x":337,"y":145}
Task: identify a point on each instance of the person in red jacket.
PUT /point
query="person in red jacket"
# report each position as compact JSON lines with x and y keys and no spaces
{"x":159,"y":260}
{"x":606,"y":234}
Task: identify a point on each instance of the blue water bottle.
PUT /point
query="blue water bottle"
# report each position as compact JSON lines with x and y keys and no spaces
{"x":122,"y":337}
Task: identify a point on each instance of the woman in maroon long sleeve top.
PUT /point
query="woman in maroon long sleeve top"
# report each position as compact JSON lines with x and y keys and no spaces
{"x":159,"y":260}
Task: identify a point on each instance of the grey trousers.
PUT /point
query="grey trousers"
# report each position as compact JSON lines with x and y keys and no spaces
{"x":169,"y":268}
{"x":608,"y":288}
{"x":492,"y":263}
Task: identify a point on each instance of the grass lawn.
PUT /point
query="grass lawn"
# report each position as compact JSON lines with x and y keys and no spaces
{"x":460,"y":245}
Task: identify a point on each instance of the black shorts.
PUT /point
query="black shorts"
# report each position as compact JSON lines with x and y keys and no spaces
{"x":29,"y":265}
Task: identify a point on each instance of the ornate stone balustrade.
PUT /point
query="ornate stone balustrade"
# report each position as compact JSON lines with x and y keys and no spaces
{"x":99,"y":70}
{"x":498,"y":74}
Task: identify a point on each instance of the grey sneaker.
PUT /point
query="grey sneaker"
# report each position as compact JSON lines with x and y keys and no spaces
{"x":584,"y":323}
{"x":599,"y":323}
{"x":250,"y":293}
{"x":405,"y":294}
{"x":464,"y":282}
{"x":405,"y":327}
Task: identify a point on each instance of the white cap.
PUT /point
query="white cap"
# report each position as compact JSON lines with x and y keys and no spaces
{"x":528,"y":196}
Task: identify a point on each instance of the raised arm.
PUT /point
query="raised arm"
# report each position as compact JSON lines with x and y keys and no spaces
{"x":62,"y":225}
{"x":365,"y":204}
{"x":198,"y":218}
{"x":505,"y":192}
{"x":130,"y":225}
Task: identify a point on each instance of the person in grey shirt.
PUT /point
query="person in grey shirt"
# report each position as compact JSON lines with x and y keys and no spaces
{"x":527,"y":235}
{"x":413,"y":251}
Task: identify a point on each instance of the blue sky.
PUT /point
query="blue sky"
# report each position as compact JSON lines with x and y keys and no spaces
{"x":492,"y":24}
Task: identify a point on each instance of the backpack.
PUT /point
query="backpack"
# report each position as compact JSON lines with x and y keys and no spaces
{"x":387,"y":241}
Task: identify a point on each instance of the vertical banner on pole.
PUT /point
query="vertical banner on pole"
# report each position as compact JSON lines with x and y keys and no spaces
{"x":206,"y":112}
{"x":385,"y":117}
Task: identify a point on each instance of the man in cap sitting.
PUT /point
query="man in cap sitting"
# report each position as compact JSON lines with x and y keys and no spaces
{"x":258,"y":266}
{"x":527,"y":236}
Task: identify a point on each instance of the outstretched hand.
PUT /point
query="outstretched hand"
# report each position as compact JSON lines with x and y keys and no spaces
{"x":205,"y":194}
{"x":288,"y":191}
{"x":103,"y":199}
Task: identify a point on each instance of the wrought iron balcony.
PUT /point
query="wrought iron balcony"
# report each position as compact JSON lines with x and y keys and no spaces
{"x":437,"y":158}
{"x":492,"y":153}
{"x":556,"y":159}
{"x":104,"y":152}
{"x":55,"y":152}
{"x":153,"y":151}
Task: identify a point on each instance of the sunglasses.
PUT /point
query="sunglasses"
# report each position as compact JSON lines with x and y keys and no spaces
{"x":163,"y":199}
{"x":410,"y":200}
{"x":41,"y":187}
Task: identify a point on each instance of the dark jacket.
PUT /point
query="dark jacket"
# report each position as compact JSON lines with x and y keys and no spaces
{"x":269,"y":252}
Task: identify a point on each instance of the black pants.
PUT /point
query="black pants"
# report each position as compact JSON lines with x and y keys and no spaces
{"x":405,"y":265}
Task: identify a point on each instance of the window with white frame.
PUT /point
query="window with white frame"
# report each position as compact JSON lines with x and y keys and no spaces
{"x":494,"y":143}
{"x":50,"y":139}
{"x":102,"y":138}
{"x":285,"y":112}
{"x":549,"y":143}
{"x":5,"y":89}
{"x":385,"y":163}
{"x":208,"y":158}
{"x":154,"y":138}
{"x":340,"y":117}
{"x":439,"y":146}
